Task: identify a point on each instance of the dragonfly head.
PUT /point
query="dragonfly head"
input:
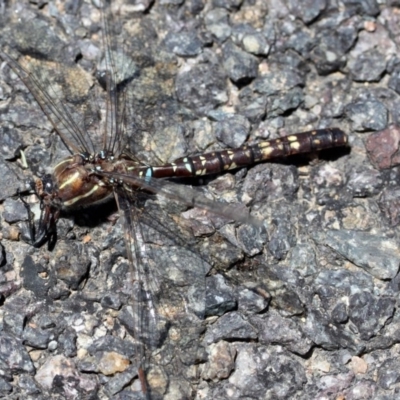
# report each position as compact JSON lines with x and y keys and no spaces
{"x":73,"y":184}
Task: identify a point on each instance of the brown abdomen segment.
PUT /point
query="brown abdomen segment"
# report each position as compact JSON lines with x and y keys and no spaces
{"x":218,"y":161}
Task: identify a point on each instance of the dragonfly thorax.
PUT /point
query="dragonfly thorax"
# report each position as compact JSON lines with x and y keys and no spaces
{"x":76,"y":184}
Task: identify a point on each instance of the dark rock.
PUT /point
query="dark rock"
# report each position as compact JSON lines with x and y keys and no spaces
{"x":119,"y":381}
{"x":394,"y":81}
{"x":273,"y":328}
{"x":202,"y":88}
{"x":365,"y":183}
{"x":232,"y":130}
{"x":71,"y":267}
{"x":230,"y":326}
{"x":14,"y":355}
{"x":283,"y":238}
{"x":8,"y":181}
{"x":251,"y":302}
{"x":368,"y":66}
{"x":251,"y":239}
{"x":302,"y":43}
{"x":302,"y":258}
{"x":345,"y":281}
{"x":5,"y":387}
{"x":334,"y":383}
{"x":389,"y":202}
{"x":111,"y":343}
{"x":111,"y":300}
{"x":277,"y":80}
{"x":270,"y":182}
{"x":10,"y":146}
{"x":59,"y":375}
{"x":321,"y":330}
{"x":340,"y":314}
{"x":67,"y":341}
{"x":37,"y":38}
{"x":227,"y":4}
{"x":14,"y":323}
{"x":44,"y":321}
{"x":185,"y":44}
{"x":14,"y":211}
{"x":217,"y":23}
{"x":258,"y":370}
{"x":388,"y":373}
{"x":329,"y":53}
{"x":239,"y":65}
{"x":250,"y":40}
{"x":28,"y":384}
{"x":31,"y":274}
{"x":36,"y":338}
{"x":367,"y":115}
{"x":36,"y":158}
{"x":369,"y":313}
{"x":374,"y":253}
{"x":360,"y":7}
{"x":307,"y":11}
{"x":361,"y":388}
{"x":252,"y":105}
{"x":220,"y":297}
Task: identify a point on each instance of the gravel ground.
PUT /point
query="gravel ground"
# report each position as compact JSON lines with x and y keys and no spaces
{"x":303,"y":309}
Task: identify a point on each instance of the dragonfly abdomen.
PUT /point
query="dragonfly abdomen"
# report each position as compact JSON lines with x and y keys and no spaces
{"x":219,"y":161}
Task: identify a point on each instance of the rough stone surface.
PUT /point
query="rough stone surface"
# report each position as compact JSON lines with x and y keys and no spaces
{"x":377,"y":255}
{"x":302,"y":304}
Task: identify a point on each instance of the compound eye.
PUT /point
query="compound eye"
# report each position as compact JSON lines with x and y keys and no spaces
{"x":30,"y":184}
{"x":48,"y":187}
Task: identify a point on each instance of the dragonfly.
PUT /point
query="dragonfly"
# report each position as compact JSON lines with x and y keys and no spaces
{"x":100,"y":133}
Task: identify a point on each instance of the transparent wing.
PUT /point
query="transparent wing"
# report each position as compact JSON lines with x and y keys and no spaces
{"x":168,"y":293}
{"x":131,"y":101}
{"x":49,"y":90}
{"x":89,"y":118}
{"x":187,"y":196}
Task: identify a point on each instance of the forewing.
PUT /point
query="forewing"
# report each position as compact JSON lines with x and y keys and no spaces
{"x":62,"y":93}
{"x":89,"y":114}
